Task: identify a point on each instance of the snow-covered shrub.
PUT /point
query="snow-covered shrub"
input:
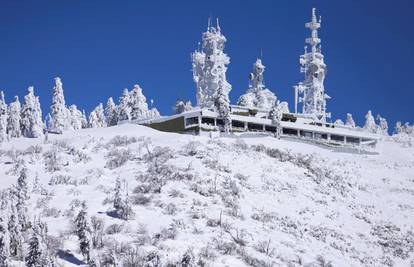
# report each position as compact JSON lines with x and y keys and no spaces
{"x":97,"y":231}
{"x":223,"y":246}
{"x":250,"y":260}
{"x":145,"y":188}
{"x":207,"y":253}
{"x":142,"y":237}
{"x":170,"y":209}
{"x":192,"y":148}
{"x":265,"y":247}
{"x":188,"y":259}
{"x":262,"y":216}
{"x":240,"y":144}
{"x":62,"y":179}
{"x":159,"y":155}
{"x":114,"y":229}
{"x":51,"y":212}
{"x":174,"y":193}
{"x":168,"y":232}
{"x":140,"y":199}
{"x":393,"y":240}
{"x":53,"y":160}
{"x":117,"y":157}
{"x":121,"y":140}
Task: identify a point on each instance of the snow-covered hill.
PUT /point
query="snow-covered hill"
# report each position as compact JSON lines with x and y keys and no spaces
{"x":253,"y":201}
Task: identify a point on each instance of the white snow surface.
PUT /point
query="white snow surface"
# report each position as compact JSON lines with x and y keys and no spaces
{"x":310,"y":205}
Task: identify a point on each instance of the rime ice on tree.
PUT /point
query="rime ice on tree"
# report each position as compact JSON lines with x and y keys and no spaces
{"x":257,"y":95}
{"x":312,"y":64}
{"x":209,"y":67}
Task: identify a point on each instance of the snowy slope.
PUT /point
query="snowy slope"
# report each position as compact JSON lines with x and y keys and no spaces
{"x":254,"y":201}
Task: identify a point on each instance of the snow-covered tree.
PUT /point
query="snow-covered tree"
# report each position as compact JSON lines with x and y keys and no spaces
{"x":139,"y":106}
{"x":284,"y":106}
{"x":58,"y":112}
{"x":21,"y":198}
{"x":3,"y":118}
{"x":276,"y":114}
{"x":398,"y":127}
{"x":181,"y":106}
{"x":210,"y":66}
{"x":16,"y":238}
{"x":370,"y":125}
{"x":257,"y":95}
{"x":83,"y":232}
{"x":84,"y":120}
{"x":34,"y":257}
{"x":111,"y":113}
{"x":339,"y":122}
{"x":97,"y":117}
{"x":124,"y":109}
{"x":125,"y":211}
{"x":117,"y":194}
{"x":382,"y":125}
{"x":138,"y":103}
{"x":13,"y":120}
{"x":76,"y":117}
{"x":31,"y":123}
{"x":349,"y":120}
{"x":4,"y":244}
{"x":222,"y":105}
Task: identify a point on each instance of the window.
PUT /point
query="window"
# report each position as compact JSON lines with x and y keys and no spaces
{"x":209,"y":121}
{"x":337,"y":138}
{"x":269,"y":128}
{"x":306,"y":134}
{"x":191,"y":121}
{"x":321,"y":136}
{"x":254,"y":127}
{"x":352,"y":140}
{"x":237,"y":124}
{"x":289,"y":131}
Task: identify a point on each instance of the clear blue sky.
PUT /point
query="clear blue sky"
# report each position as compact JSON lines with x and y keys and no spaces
{"x":100,"y":47}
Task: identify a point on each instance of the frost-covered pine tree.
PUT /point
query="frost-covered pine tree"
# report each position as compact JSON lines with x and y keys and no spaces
{"x":84,"y":120}
{"x":284,"y":106}
{"x":222,"y":105}
{"x":257,"y":95}
{"x":13,"y":120}
{"x":31,"y":123}
{"x":110,"y":113}
{"x":3,"y":118}
{"x":15,"y":235}
{"x":117,"y":195}
{"x":34,"y":257}
{"x":124,"y":109}
{"x":382,"y":125}
{"x":4,"y":244}
{"x":210,"y":66}
{"x":276,"y":114}
{"x":398,"y":127}
{"x":97,"y":117}
{"x":125,"y":211}
{"x":58,"y":112}
{"x":339,"y":122}
{"x":349,"y":120}
{"x":181,"y":106}
{"x":83,"y":232}
{"x":370,"y":125}
{"x":76,"y":117}
{"x":21,"y":198}
{"x":138,"y":103}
